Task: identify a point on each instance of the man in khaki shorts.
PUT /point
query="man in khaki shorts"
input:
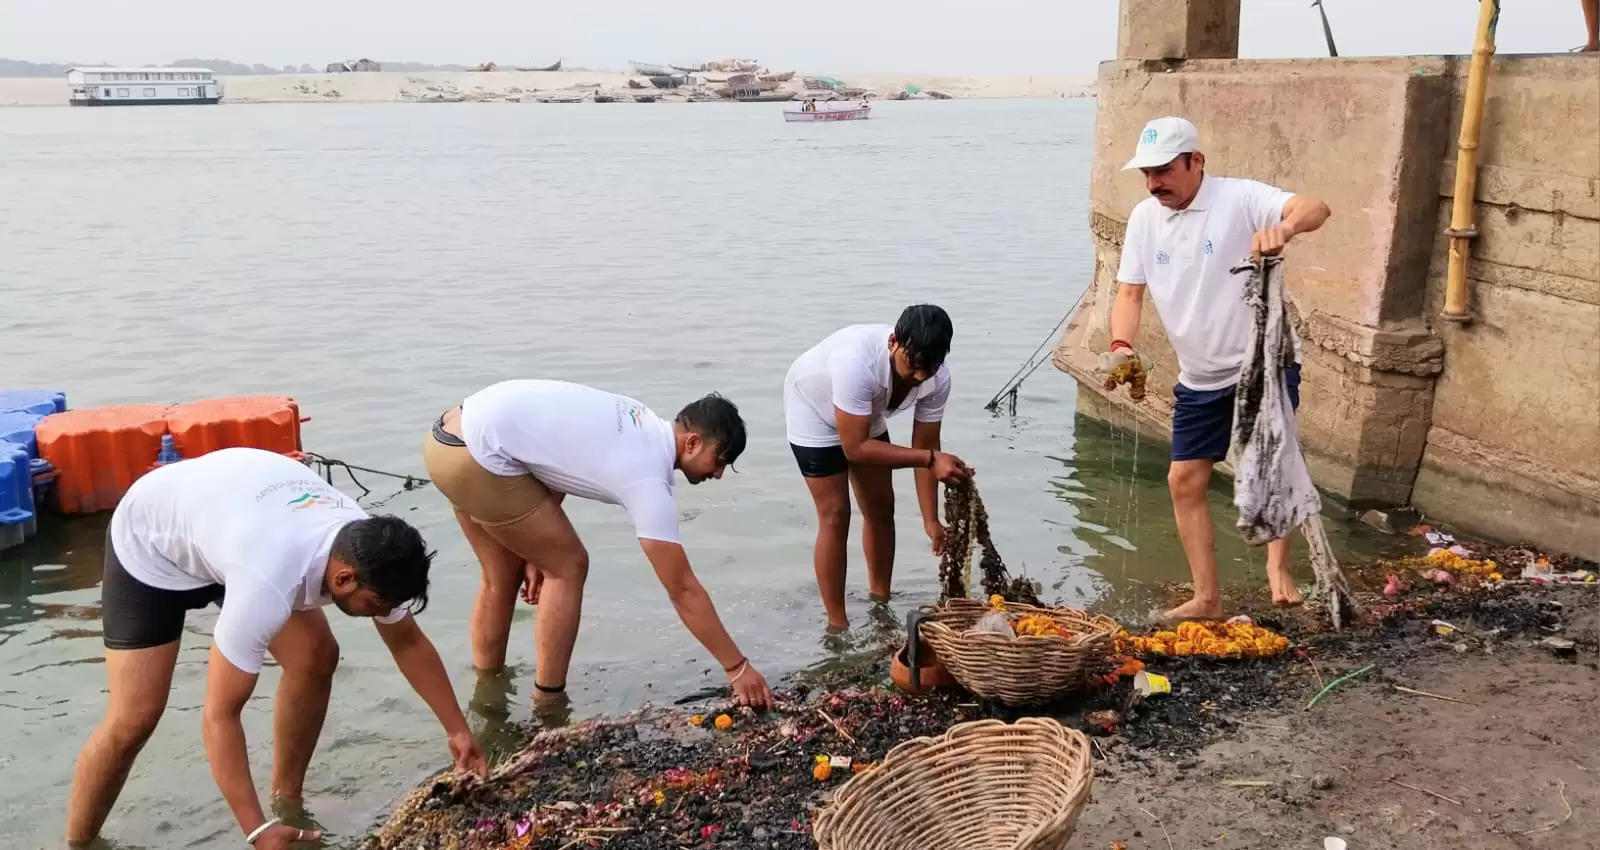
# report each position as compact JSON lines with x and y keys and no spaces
{"x":508,"y":456}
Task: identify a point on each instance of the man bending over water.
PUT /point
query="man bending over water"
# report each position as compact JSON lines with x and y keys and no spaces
{"x":258,"y":534}
{"x":508,"y":456}
{"x":837,"y":400}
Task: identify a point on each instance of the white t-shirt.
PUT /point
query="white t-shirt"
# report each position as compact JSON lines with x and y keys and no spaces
{"x":580,"y":441}
{"x":257,"y":522}
{"x":850,"y":370}
{"x":1186,"y":258}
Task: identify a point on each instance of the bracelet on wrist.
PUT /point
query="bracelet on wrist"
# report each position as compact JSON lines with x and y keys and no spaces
{"x":742,"y":660}
{"x":258,"y":831}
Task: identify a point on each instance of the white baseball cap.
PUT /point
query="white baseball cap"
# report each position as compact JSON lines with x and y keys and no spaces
{"x":1162,"y":140}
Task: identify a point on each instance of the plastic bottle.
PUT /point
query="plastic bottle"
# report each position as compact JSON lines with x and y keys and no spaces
{"x":168,"y":453}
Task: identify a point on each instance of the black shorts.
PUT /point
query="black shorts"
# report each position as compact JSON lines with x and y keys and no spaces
{"x":135,"y":615}
{"x":823,"y":461}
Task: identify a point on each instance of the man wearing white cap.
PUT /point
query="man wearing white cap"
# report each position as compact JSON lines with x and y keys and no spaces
{"x":1182,"y":244}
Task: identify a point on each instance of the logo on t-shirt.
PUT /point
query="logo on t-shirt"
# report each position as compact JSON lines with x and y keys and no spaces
{"x":1208,"y":247}
{"x":312,"y":500}
{"x":632,"y":412}
{"x":1163,"y":258}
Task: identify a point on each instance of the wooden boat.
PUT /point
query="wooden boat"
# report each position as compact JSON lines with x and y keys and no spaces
{"x":784,"y":77}
{"x":765,"y":97}
{"x":555,"y":67}
{"x":600,"y":97}
{"x":669,"y":81}
{"x":646,"y":98}
{"x":840,"y":111}
{"x":686,"y":69}
{"x":649,"y":70}
{"x":560,"y":98}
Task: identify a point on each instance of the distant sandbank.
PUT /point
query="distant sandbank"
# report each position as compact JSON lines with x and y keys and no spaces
{"x":392,"y":86}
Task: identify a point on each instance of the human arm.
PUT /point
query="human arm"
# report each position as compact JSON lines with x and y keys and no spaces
{"x":239,"y":644}
{"x":1126,"y":310}
{"x":1127,"y":306}
{"x":1299,"y":214}
{"x":925,"y":437}
{"x":419,"y":662}
{"x":228,"y":688}
{"x":855,"y":438}
{"x":694,"y":607}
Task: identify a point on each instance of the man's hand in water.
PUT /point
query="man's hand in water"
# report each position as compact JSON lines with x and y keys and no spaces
{"x":282,"y":837}
{"x":947,"y":468}
{"x":749,"y":688}
{"x":468,"y":755}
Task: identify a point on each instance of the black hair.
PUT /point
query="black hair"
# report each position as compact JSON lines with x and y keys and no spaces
{"x":389,"y":558}
{"x":716,"y":419}
{"x":924,"y":331}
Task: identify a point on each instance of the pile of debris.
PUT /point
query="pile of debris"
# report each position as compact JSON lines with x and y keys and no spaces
{"x":660,"y":779}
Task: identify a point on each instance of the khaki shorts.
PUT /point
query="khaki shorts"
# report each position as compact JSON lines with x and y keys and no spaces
{"x":486,"y":497}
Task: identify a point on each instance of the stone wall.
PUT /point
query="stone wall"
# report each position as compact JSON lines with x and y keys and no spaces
{"x":1514,"y":444}
{"x":1493,"y":425}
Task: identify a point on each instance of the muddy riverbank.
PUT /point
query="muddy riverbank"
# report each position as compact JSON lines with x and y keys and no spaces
{"x":1464,"y":725}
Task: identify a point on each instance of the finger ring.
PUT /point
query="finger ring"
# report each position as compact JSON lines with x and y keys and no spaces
{"x":299,"y":834}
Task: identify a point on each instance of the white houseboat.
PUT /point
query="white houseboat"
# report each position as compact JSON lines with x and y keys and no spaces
{"x":142,"y":86}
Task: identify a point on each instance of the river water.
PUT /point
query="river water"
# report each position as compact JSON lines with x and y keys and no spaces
{"x":379,"y":262}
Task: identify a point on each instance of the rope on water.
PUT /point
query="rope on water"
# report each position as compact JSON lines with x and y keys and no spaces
{"x":1032,"y":363}
{"x":326,"y":466}
{"x":967,"y":524}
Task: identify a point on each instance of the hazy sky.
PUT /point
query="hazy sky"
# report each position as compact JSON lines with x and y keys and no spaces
{"x":971,"y":37}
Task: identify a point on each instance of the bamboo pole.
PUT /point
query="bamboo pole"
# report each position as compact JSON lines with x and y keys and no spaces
{"x":1462,"y":230}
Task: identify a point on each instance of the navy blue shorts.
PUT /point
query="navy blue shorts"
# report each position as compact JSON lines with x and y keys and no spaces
{"x":1202,"y":420}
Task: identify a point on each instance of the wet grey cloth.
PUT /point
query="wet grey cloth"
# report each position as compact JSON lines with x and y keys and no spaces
{"x":1272,"y":486}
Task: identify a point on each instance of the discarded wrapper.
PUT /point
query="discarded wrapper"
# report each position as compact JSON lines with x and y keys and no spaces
{"x":1440,"y":627}
{"x":1331,"y":843}
{"x":1146,"y":683}
{"x":839,"y":762}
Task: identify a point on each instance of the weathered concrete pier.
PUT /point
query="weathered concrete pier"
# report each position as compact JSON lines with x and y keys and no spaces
{"x":1492,"y":424}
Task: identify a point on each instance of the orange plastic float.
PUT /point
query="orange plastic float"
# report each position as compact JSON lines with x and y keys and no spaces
{"x":270,"y":422}
{"x":99,"y":452}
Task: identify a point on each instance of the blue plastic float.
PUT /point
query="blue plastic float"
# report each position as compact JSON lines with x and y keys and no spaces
{"x":23,"y":475}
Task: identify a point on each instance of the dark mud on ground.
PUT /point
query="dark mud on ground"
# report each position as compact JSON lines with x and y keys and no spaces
{"x":653,"y":780}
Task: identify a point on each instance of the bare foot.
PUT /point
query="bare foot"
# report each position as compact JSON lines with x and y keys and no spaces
{"x":1284,"y":593}
{"x":1196,"y":609}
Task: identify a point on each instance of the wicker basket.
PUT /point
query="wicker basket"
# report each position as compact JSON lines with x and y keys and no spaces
{"x":1027,"y":669}
{"x":984,"y":785}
